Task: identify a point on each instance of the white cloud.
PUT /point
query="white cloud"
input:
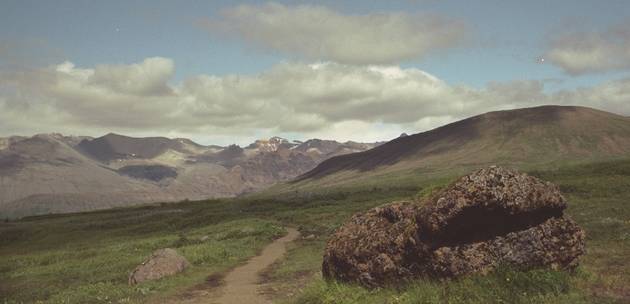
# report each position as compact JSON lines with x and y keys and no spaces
{"x":613,"y":96}
{"x":588,"y":52}
{"x":147,"y":78}
{"x":328,"y":100}
{"x":319,"y":33}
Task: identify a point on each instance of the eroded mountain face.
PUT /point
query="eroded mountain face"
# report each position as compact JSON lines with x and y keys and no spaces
{"x":491,"y":217}
{"x":52,"y":173}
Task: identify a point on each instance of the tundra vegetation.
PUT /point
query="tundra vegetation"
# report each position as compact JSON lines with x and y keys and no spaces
{"x":86,"y":257}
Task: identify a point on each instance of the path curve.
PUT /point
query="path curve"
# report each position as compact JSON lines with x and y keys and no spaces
{"x":241,"y":284}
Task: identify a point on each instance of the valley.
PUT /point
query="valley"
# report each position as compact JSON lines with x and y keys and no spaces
{"x":85,"y":257}
{"x":106,"y":245}
{"x":314,"y":152}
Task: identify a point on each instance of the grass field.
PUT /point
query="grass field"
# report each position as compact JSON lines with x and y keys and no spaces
{"x":598,"y":200}
{"x":85,"y":258}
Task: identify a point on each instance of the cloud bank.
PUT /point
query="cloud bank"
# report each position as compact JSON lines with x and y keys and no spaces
{"x":319,"y":33}
{"x":365,"y":102}
{"x":590,"y":52}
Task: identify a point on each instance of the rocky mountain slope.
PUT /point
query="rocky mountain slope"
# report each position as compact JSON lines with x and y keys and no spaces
{"x":52,"y":173}
{"x":540,"y":135}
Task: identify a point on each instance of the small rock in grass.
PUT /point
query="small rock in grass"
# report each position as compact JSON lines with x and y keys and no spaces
{"x":162,"y":263}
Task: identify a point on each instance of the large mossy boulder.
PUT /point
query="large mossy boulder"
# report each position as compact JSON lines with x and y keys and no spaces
{"x":373,"y":247}
{"x":491,"y":217}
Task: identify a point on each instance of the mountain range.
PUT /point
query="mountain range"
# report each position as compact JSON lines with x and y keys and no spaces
{"x":53,"y":173}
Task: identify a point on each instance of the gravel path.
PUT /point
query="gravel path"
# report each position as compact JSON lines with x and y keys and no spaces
{"x":241,"y":284}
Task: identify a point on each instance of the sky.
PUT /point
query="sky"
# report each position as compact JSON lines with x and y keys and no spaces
{"x":223,"y":72}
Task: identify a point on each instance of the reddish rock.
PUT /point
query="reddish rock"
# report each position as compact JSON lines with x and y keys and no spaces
{"x":491,"y":217}
{"x":373,"y":247}
{"x":557,"y":243}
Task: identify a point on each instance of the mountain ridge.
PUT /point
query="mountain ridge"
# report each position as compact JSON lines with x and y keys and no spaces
{"x":52,"y":173}
{"x":512,"y":136}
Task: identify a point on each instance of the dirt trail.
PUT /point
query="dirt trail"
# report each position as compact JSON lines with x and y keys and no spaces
{"x":241,"y":284}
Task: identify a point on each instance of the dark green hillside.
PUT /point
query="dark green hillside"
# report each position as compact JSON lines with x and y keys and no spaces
{"x":524,"y":137}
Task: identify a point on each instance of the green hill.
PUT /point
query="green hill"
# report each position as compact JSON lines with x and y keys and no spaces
{"x":547,"y":136}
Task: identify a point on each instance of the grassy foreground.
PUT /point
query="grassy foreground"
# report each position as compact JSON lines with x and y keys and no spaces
{"x":85,"y":258}
{"x":599,"y":201}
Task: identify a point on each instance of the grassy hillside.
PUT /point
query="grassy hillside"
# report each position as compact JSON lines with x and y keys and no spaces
{"x":540,"y":136}
{"x":85,"y":258}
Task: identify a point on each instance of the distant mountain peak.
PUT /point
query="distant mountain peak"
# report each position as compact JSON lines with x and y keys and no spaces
{"x":278,"y":139}
{"x":112,"y":134}
{"x":114,"y":146}
{"x":272,"y":144}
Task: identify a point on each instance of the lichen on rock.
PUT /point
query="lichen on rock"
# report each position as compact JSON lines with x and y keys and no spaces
{"x":373,"y":247}
{"x":492,"y":217}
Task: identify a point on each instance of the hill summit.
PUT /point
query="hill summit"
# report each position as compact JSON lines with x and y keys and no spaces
{"x":536,"y":135}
